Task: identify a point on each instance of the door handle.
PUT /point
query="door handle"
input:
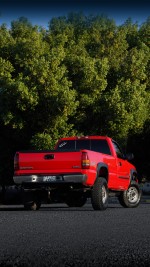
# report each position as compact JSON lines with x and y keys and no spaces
{"x":49,"y":156}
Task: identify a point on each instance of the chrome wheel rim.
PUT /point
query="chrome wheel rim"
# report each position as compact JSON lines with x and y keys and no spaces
{"x":104,"y":194}
{"x":132,"y":194}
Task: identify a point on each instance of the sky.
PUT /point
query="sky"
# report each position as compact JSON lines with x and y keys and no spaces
{"x":40,"y":12}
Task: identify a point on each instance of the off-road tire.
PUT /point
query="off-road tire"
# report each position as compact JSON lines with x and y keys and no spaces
{"x":131,"y":197}
{"x":33,"y":205}
{"x":76,"y":199}
{"x":99,"y":195}
{"x":31,"y":201}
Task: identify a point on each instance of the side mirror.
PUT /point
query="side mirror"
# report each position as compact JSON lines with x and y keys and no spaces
{"x":129,"y":156}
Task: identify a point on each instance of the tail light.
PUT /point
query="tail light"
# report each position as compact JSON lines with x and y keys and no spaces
{"x":16,"y":162}
{"x":85,"y":160}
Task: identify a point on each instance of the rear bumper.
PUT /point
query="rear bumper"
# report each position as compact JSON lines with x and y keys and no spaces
{"x":50,"y":179}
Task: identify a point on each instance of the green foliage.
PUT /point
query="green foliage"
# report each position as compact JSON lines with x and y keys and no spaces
{"x":84,"y":75}
{"x":42,"y":141}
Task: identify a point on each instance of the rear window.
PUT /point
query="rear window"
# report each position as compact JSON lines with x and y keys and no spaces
{"x":90,"y":144}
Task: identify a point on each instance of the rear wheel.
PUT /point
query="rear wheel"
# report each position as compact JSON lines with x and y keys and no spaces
{"x":31,"y":201}
{"x":76,"y":199}
{"x":99,"y":196}
{"x":131,"y":197}
{"x":33,"y":205}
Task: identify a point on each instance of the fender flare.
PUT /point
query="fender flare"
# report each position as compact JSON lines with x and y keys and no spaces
{"x":101,"y":166}
{"x":133,"y":175}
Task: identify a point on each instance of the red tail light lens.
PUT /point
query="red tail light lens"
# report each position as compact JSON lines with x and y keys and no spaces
{"x":16,"y":161}
{"x":85,"y":160}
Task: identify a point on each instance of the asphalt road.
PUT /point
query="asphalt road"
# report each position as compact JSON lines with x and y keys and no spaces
{"x":60,"y":236}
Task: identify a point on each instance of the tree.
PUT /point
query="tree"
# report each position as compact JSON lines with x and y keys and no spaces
{"x":84,"y":75}
{"x":36,"y":96}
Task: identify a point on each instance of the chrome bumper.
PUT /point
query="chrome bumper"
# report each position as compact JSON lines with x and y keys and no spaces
{"x":50,"y":179}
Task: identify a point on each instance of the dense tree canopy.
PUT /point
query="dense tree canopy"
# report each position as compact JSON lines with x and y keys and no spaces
{"x":84,"y":75}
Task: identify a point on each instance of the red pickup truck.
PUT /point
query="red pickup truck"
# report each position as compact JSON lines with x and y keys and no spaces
{"x":78,"y":168}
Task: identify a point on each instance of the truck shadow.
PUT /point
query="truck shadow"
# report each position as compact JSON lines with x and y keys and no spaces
{"x":58,"y":208}
{"x":62,"y":207}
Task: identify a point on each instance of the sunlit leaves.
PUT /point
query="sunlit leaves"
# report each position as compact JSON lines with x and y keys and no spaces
{"x":6,"y":69}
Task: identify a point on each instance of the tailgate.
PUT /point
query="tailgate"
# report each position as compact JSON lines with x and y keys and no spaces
{"x":45,"y":162}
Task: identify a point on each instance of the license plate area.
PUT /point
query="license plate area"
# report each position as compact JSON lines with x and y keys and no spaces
{"x":52,"y":178}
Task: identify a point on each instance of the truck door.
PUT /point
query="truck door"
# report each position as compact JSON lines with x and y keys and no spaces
{"x":123,"y":171}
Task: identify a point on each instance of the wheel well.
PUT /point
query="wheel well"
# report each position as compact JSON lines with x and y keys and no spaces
{"x":134,"y":176}
{"x":103,"y":172}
